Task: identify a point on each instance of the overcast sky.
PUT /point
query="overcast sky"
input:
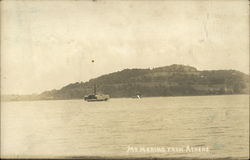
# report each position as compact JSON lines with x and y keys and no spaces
{"x":49,"y":44}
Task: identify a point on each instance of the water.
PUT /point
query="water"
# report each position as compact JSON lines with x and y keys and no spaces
{"x":79,"y":128}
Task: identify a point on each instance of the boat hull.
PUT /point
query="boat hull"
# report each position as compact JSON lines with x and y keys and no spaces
{"x":95,"y":100}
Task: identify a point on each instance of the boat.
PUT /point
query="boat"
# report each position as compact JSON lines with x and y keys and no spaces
{"x":96,"y":97}
{"x":138,"y":95}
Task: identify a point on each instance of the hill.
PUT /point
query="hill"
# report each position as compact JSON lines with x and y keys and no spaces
{"x":174,"y":80}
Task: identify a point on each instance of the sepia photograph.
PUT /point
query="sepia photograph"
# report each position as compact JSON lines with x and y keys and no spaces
{"x":124,"y":79}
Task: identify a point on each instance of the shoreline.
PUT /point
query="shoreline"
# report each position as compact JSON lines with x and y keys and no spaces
{"x":124,"y":97}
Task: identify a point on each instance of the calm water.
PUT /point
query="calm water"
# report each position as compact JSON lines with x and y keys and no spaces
{"x":79,"y":128}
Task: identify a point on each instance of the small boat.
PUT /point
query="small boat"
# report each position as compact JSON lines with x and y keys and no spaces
{"x":138,"y":95}
{"x":96,"y":97}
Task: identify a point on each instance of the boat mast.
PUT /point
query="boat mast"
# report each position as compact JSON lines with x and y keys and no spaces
{"x":94,"y":84}
{"x":94,"y":89}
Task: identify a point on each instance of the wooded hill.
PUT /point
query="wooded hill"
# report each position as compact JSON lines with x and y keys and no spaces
{"x":174,"y":80}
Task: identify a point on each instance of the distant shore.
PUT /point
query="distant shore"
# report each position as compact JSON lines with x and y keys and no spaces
{"x":3,"y":100}
{"x":167,"y":81}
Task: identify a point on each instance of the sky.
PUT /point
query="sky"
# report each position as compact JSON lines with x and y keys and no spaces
{"x":46,"y":45}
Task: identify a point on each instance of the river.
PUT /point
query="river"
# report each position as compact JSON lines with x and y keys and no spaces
{"x":192,"y":126}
